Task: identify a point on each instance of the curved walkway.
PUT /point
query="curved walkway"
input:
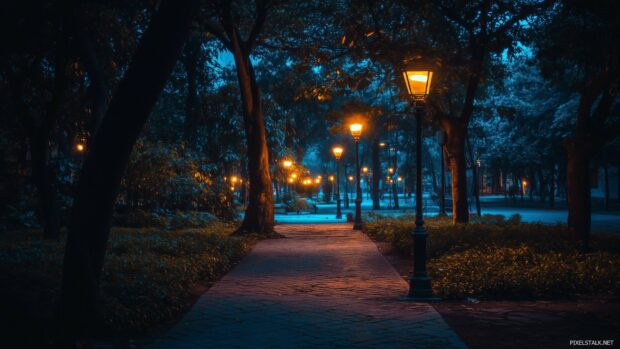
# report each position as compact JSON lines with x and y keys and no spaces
{"x":322,"y":286}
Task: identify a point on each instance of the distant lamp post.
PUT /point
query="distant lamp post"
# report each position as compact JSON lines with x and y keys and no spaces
{"x":356,"y":132}
{"x":418,"y":83}
{"x":338,"y":150}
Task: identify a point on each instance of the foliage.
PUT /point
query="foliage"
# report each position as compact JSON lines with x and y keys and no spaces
{"x":148,"y":273}
{"x":169,"y":220}
{"x":173,"y":178}
{"x":494,"y":257}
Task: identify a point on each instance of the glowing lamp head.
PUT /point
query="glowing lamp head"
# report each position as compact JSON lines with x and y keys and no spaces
{"x":287,"y":163}
{"x":234,"y":179}
{"x":291,"y":180}
{"x":356,"y":130}
{"x":390,"y":170}
{"x":80,"y":147}
{"x":337,"y":150}
{"x":331,"y":178}
{"x":350,"y":178}
{"x":365,"y":169}
{"x":400,"y":178}
{"x":382,"y":144}
{"x":317,"y":181}
{"x":418,"y":82}
{"x":294,"y":175}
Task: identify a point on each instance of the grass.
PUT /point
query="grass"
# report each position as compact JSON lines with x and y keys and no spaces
{"x":494,"y":258}
{"x":148,"y":276}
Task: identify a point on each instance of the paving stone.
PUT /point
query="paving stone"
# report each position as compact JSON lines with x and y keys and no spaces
{"x":322,"y":286}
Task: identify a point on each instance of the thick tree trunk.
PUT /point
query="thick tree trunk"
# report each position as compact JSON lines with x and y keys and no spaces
{"x":192,"y":51}
{"x":456,"y":134}
{"x":106,"y":161}
{"x":97,"y":90}
{"x":259,"y":212}
{"x":376,"y":174}
{"x":578,"y":184}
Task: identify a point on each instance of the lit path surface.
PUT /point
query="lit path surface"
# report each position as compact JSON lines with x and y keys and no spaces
{"x":323,"y":286}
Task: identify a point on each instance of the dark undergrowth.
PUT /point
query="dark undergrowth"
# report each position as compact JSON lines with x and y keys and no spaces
{"x":150,"y":278}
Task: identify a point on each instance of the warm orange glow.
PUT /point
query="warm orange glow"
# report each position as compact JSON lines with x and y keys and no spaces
{"x":232,"y":188}
{"x":400,"y":178}
{"x":356,"y":130}
{"x":317,"y":181}
{"x":365,"y":169}
{"x":294,"y":175}
{"x":80,"y":147}
{"x":390,"y":170}
{"x":418,"y":83}
{"x":331,"y":178}
{"x":291,"y":180}
{"x":382,"y":144}
{"x":524,"y":183}
{"x":337,"y":150}
{"x":287,"y":163}
{"x":234,"y":179}
{"x":350,"y":178}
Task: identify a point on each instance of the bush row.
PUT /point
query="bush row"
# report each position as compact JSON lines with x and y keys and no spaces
{"x":493,"y":257}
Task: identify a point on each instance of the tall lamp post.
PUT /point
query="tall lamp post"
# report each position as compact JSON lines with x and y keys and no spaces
{"x":356,"y":132}
{"x":337,"y":150}
{"x":418,"y":83}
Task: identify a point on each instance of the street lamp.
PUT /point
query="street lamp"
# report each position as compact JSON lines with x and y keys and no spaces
{"x":356,"y":132}
{"x":418,"y":83}
{"x":338,"y":150}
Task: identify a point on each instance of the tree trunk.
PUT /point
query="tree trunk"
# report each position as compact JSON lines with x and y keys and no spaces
{"x":552,"y":186}
{"x":578,"y":185}
{"x":106,"y":161}
{"x":192,"y":51}
{"x":456,"y":134}
{"x":606,"y":175}
{"x":395,"y":182}
{"x":259,"y":211}
{"x":475,"y":180}
{"x":376,"y":174}
{"x":543,"y":185}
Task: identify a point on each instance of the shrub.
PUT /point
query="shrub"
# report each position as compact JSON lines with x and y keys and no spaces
{"x":147,"y":277}
{"x":165,"y":219}
{"x":495,"y":257}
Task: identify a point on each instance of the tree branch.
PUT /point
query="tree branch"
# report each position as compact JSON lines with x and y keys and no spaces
{"x":218,"y":32}
{"x":259,"y":23}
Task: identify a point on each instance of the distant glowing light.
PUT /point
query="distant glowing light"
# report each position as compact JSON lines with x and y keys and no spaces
{"x":80,"y":147}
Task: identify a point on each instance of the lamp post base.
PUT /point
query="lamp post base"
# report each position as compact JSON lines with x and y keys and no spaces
{"x":357,"y":224}
{"x":420,"y":289}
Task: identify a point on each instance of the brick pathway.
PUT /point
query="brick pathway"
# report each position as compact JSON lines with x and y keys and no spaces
{"x":323,"y":286}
